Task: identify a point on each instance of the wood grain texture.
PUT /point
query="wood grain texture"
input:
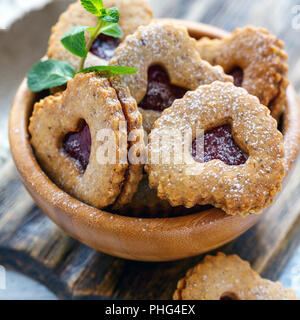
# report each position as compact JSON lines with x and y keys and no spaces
{"x":32,"y":244}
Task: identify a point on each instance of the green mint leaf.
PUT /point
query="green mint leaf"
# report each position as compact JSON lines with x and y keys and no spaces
{"x":93,"y":6}
{"x":110,"y":71}
{"x":111,"y":29}
{"x":74,"y":41}
{"x":48,"y":74}
{"x":112,"y":15}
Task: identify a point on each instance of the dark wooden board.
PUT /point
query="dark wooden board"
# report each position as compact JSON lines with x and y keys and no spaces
{"x":32,"y":244}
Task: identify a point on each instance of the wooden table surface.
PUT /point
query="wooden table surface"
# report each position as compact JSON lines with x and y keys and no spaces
{"x":33,"y":245}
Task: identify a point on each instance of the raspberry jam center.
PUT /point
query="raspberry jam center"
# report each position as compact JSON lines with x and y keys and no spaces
{"x":105,"y":46}
{"x":218,"y":144}
{"x":78,"y":145}
{"x":160,"y":92}
{"x":238,"y":74}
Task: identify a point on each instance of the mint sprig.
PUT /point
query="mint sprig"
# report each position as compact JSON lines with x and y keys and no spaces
{"x":107,"y":20}
{"x":48,"y":74}
{"x":52,"y":73}
{"x":93,"y":6}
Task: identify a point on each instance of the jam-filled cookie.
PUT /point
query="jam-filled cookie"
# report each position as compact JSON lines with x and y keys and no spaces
{"x":168,"y":65}
{"x":133,"y":13}
{"x":224,"y":277}
{"x":240,"y":168}
{"x":257,"y":61}
{"x":136,"y":146}
{"x":69,"y":132}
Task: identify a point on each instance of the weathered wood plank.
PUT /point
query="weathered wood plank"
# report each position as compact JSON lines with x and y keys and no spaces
{"x":288,"y":248}
{"x":14,"y":199}
{"x":39,"y":238}
{"x":83,"y":272}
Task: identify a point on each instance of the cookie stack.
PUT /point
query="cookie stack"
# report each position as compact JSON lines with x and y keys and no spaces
{"x":226,"y":88}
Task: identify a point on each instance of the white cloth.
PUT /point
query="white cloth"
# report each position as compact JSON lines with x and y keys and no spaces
{"x":11,"y":10}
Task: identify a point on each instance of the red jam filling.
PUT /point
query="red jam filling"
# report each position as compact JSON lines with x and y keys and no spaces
{"x":238,"y":75}
{"x":160,"y":92}
{"x":105,"y":46}
{"x":219,"y":144}
{"x":78,"y":145}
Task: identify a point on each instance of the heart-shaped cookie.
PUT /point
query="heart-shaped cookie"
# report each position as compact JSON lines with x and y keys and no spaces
{"x":224,"y":277}
{"x":257,"y":61}
{"x":91,"y":111}
{"x":240,"y":168}
{"x":168,"y":65}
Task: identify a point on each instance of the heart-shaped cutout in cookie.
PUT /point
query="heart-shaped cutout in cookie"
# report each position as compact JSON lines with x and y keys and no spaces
{"x":238,"y":75}
{"x":219,"y":144}
{"x":160,"y":92}
{"x":78,"y":144}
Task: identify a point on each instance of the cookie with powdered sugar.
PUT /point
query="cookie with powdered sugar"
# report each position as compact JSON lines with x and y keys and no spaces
{"x":257,"y":61}
{"x":80,"y":138}
{"x":224,"y":277}
{"x":217,"y":145}
{"x":168,"y":65}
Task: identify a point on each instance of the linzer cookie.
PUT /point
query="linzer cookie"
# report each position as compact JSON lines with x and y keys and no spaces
{"x":168,"y":65}
{"x":257,"y":61}
{"x":228,"y":278}
{"x":136,"y":145}
{"x":133,"y":13}
{"x":240,"y":168}
{"x":65,"y":135}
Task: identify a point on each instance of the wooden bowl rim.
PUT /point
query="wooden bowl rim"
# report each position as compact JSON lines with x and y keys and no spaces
{"x":36,"y":181}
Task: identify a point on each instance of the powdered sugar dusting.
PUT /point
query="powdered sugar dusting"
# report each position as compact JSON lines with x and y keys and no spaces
{"x":171,"y":46}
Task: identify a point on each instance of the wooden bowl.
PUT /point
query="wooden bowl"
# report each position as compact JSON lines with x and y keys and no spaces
{"x":137,"y":239}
